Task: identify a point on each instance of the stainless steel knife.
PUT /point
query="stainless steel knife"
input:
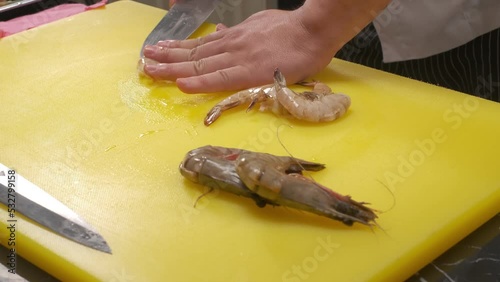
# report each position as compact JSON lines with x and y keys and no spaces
{"x":28,"y":199}
{"x":181,"y":21}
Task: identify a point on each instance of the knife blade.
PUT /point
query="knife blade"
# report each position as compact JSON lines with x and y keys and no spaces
{"x":181,"y":21}
{"x":31,"y":201}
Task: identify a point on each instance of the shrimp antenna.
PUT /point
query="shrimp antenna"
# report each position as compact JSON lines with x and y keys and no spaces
{"x":281,"y":142}
{"x":392,"y":194}
{"x":288,"y":152}
{"x":201,"y":196}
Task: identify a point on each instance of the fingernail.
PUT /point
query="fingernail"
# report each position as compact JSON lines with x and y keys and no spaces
{"x":220,"y":26}
{"x":149,"y":49}
{"x":165,"y":43}
{"x":150,"y":68}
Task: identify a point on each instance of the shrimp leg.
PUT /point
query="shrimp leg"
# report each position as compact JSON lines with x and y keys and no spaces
{"x":319,"y":105}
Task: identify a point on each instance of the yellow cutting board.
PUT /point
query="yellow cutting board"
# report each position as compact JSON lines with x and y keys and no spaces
{"x":77,"y":121}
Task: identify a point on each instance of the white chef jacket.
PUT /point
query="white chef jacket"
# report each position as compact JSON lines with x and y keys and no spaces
{"x":414,"y":29}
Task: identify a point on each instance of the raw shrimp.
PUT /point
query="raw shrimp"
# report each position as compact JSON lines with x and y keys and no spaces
{"x":214,"y":167}
{"x":273,"y":180}
{"x":317,"y":106}
{"x":250,"y":96}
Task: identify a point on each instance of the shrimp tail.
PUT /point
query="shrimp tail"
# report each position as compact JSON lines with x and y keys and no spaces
{"x":225,"y":105}
{"x":351,"y":211}
{"x":304,"y":194}
{"x":212,"y":116}
{"x":216,"y":111}
{"x":279,"y":180}
{"x":251,"y":96}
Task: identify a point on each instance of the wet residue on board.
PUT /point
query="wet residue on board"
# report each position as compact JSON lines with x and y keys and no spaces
{"x":109,"y":148}
{"x":163,"y":101}
{"x":150,"y":132}
{"x":146,"y":133}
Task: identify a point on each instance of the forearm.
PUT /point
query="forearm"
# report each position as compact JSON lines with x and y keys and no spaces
{"x":338,"y":21}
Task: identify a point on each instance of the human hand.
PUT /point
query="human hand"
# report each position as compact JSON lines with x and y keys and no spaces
{"x":299,"y":42}
{"x":242,"y":56}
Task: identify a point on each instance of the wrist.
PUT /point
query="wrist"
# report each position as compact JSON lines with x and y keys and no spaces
{"x":338,"y":21}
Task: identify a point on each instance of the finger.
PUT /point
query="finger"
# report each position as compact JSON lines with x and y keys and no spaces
{"x":172,"y":71}
{"x":189,"y":43}
{"x":175,"y":55}
{"x":228,"y":79}
{"x":220,"y":26}
{"x":166,"y":55}
{"x":171,"y":3}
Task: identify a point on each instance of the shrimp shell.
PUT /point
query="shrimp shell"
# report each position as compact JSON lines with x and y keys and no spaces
{"x":273,"y":180}
{"x":249,"y":96}
{"x":319,"y":105}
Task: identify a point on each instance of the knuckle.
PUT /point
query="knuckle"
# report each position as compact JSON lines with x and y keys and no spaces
{"x":199,"y":67}
{"x":192,"y":55}
{"x":164,"y":71}
{"x":200,"y":41}
{"x":164,"y":53}
{"x":224,"y":76}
